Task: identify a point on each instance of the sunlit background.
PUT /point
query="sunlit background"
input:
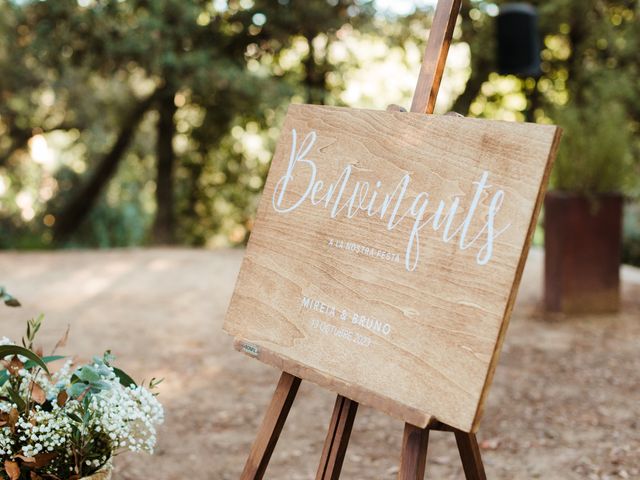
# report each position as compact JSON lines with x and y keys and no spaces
{"x":135,"y":123}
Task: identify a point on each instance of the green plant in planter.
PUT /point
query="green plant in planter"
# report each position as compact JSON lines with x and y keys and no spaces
{"x":583,"y":215}
{"x":594,"y":155}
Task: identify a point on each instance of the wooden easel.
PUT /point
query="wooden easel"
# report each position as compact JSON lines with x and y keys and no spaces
{"x":415,"y":440}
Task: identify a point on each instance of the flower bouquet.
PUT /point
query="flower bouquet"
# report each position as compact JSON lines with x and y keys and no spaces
{"x":68,"y":424}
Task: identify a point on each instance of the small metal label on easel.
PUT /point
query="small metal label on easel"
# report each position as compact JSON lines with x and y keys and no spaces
{"x":251,"y":349}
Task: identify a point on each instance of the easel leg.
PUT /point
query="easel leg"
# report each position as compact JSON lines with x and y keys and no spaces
{"x":470,"y":456}
{"x":413,"y":460}
{"x":271,"y":427}
{"x":337,"y":440}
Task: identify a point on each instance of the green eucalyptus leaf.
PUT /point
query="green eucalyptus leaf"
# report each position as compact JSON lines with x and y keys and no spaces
{"x":88,"y":374}
{"x":9,"y":350}
{"x":4,"y":375}
{"x":125,"y":379}
{"x":15,"y":398}
{"x":10,"y":301}
{"x":77,"y":389}
{"x":74,"y":417}
{"x":101,"y":385}
{"x":51,"y":358}
{"x":108,"y":358}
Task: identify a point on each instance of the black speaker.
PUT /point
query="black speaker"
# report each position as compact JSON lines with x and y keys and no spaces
{"x":518,"y":40}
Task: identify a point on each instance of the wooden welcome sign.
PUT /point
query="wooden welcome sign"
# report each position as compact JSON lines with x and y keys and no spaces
{"x":384,"y":263}
{"x":386,"y":255}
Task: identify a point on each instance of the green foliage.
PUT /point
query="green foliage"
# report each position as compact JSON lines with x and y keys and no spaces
{"x":33,"y":326}
{"x":9,"y":350}
{"x":8,"y":299}
{"x":588,"y":85}
{"x":631,"y":237}
{"x":30,"y":364}
{"x":594,"y":153}
{"x":201,"y":87}
{"x":58,"y":426}
{"x":74,"y":73}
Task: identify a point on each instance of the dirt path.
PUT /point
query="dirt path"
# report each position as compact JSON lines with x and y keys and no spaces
{"x":565,"y":403}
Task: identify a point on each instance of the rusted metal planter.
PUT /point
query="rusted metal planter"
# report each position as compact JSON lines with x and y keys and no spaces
{"x":583,"y":238}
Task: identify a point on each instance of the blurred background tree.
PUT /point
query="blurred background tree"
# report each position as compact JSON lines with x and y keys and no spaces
{"x":152,"y":121}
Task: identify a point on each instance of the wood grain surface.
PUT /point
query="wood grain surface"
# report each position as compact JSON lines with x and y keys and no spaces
{"x":386,"y":255}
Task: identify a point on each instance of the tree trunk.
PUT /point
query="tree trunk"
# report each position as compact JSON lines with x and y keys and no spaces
{"x":164,"y":224}
{"x":314,"y":80}
{"x":481,"y":63}
{"x":73,"y":214}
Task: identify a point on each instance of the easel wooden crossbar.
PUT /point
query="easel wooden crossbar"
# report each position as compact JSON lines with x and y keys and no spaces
{"x":415,"y":440}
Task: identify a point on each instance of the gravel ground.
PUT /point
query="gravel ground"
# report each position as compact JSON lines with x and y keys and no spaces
{"x":564,"y":405}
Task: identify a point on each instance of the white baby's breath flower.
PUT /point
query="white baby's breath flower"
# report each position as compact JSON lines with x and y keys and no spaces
{"x":129,"y":416}
{"x":124,"y":418}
